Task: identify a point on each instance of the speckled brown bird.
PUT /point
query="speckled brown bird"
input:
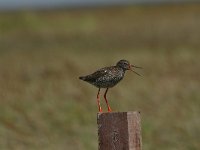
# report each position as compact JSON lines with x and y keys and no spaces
{"x":108,"y":77}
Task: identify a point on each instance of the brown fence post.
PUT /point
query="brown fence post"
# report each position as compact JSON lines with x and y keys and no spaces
{"x":119,"y":131}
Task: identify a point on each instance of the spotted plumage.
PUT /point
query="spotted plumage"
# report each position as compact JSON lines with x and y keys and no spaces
{"x":108,"y":77}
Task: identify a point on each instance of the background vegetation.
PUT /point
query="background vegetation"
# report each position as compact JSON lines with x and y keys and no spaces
{"x":44,"y":106}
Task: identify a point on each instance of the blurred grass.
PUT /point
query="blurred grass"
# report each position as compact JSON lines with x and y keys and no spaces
{"x":45,"y":106}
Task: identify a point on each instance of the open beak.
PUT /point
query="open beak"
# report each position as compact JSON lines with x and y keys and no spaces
{"x":133,"y":66}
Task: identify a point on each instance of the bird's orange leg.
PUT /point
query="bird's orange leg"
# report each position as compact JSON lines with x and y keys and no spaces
{"x":98,"y":101}
{"x":109,"y":109}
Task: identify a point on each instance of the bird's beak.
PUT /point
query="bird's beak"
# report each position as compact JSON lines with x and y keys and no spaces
{"x":133,"y":66}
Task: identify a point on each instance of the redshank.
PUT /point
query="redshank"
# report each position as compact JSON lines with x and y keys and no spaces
{"x":108,"y":77}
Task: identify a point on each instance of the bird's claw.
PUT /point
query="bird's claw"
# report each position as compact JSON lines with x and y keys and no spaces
{"x":109,"y":109}
{"x":100,"y":109}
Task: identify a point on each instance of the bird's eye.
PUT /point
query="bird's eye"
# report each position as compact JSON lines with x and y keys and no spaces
{"x":125,"y":63}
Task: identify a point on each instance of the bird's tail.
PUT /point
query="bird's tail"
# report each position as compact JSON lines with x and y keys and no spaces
{"x":82,"y":78}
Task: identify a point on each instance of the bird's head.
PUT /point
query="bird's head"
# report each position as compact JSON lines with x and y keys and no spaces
{"x":125,"y":65}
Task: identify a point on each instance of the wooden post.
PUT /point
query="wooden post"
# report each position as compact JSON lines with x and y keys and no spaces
{"x":119,"y":131}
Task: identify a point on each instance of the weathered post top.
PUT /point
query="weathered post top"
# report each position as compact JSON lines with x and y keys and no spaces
{"x":119,"y":131}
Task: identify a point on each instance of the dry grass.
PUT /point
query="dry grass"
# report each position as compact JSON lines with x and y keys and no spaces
{"x":45,"y":106}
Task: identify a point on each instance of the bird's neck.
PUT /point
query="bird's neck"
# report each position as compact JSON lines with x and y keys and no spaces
{"x":124,"y":70}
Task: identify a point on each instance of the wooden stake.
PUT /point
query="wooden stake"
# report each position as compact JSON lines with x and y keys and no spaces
{"x":119,"y":131}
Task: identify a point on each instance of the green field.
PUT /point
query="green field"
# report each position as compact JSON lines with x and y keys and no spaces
{"x":43,"y":104}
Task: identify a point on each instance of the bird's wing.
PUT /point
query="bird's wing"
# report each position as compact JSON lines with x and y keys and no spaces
{"x":97,"y":74}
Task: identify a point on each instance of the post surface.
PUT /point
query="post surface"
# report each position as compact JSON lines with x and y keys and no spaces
{"x":119,"y":131}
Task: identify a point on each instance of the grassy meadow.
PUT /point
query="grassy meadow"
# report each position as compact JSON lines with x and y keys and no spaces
{"x":43,"y":104}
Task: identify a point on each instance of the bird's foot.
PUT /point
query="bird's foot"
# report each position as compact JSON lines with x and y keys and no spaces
{"x":100,"y":109}
{"x":109,"y":109}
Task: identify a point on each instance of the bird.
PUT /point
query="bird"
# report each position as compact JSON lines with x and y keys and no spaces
{"x":108,"y":77}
